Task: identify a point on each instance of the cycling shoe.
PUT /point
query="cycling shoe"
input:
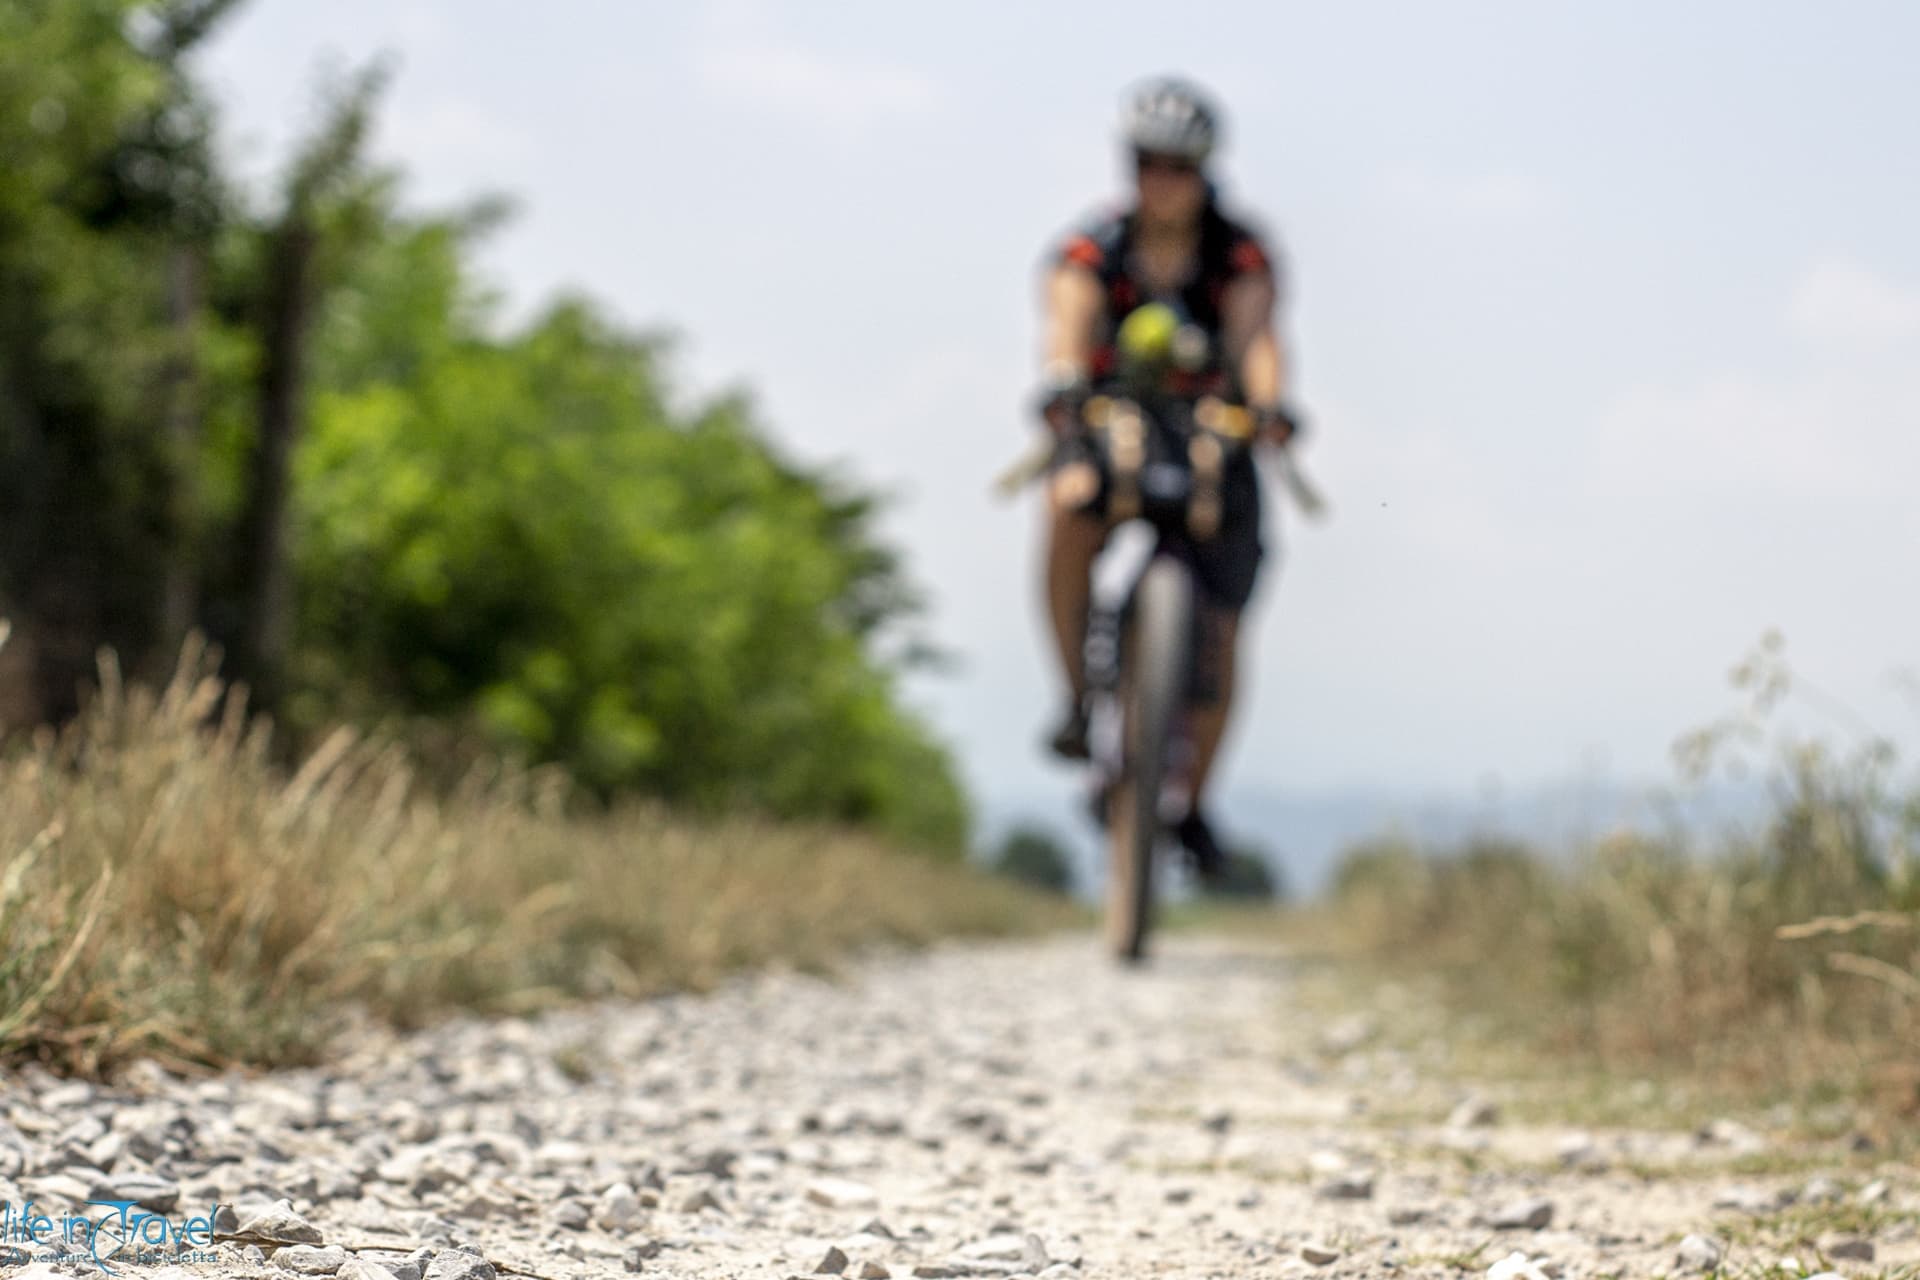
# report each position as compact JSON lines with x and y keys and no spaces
{"x":1069,"y":737}
{"x":1208,"y":858}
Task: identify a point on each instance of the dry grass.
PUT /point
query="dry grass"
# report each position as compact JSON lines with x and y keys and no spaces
{"x":1643,"y":952}
{"x":166,"y":889}
{"x":1783,"y":959}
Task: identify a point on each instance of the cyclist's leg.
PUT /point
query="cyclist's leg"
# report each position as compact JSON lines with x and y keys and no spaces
{"x":1075,"y":535}
{"x":1228,"y":567}
{"x":1074,"y":539}
{"x":1207,"y":722}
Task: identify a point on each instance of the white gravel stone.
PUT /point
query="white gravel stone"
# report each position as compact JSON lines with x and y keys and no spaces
{"x":1473,"y":1112}
{"x":1349,"y":1033}
{"x":1746,"y":1198}
{"x":841,"y":1193}
{"x":150,"y":1191}
{"x":1356,"y":1184}
{"x":1327,"y":1163}
{"x":619,"y":1208}
{"x":1731,"y":1134}
{"x":1005,"y":1247}
{"x":1699,"y":1253}
{"x":1516,"y":1266}
{"x":1821,"y":1189}
{"x":105,"y":1151}
{"x":1033,"y":1256}
{"x":453,"y":1264}
{"x":696,"y":1200}
{"x":310,"y":1261}
{"x":362,"y":1269}
{"x":1532,"y":1213}
{"x":60,"y":1187}
{"x":282,"y":1225}
{"x":1319,"y":1255}
{"x":1579,"y":1151}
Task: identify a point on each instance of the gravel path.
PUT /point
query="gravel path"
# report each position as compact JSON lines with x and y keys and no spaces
{"x":1019,"y":1109}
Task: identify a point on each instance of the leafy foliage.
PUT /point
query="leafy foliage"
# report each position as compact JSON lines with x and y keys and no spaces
{"x":516,"y":534}
{"x":105,"y":149}
{"x":524,"y":529}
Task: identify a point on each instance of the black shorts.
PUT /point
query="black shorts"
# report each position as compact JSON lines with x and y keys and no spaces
{"x":1227,"y":565}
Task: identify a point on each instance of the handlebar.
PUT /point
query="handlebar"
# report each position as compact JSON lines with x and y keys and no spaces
{"x":1234,"y":421}
{"x":1236,"y":424}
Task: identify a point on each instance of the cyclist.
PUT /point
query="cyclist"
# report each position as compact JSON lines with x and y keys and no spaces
{"x":1172,"y":244}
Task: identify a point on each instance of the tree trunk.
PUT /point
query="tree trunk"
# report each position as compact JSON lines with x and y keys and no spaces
{"x":34,"y":687}
{"x":179,"y":589}
{"x":263,"y":577}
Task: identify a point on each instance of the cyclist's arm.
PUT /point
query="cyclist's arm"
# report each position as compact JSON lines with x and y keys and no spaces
{"x":1073,"y":302}
{"x":1253,"y":346}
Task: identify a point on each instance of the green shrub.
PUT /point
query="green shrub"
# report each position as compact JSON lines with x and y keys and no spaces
{"x":1035,"y":856}
{"x":524,"y":534}
{"x":1249,"y":876}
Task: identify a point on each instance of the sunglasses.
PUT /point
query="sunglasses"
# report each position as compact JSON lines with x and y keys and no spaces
{"x":1155,"y":162}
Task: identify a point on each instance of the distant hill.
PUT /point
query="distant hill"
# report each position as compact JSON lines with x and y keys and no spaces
{"x":1306,"y":831}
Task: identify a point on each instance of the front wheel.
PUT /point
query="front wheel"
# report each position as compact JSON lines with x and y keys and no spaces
{"x":1153,"y":689}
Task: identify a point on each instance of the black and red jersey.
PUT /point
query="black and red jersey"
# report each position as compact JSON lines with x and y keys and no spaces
{"x":1228,"y":251}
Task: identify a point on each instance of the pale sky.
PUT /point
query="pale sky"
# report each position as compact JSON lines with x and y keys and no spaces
{"x":1606,"y":318}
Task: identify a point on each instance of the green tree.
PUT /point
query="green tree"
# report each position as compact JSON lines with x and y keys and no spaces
{"x":132,"y":317}
{"x":109,"y":199}
{"x":524,"y":530}
{"x":326,"y":202}
{"x":1035,"y":856}
{"x":307,"y":432}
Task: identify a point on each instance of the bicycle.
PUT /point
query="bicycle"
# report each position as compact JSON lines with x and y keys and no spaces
{"x":1164,"y":468}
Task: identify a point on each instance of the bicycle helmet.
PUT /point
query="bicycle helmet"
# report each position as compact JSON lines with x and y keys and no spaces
{"x":1171,"y":117}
